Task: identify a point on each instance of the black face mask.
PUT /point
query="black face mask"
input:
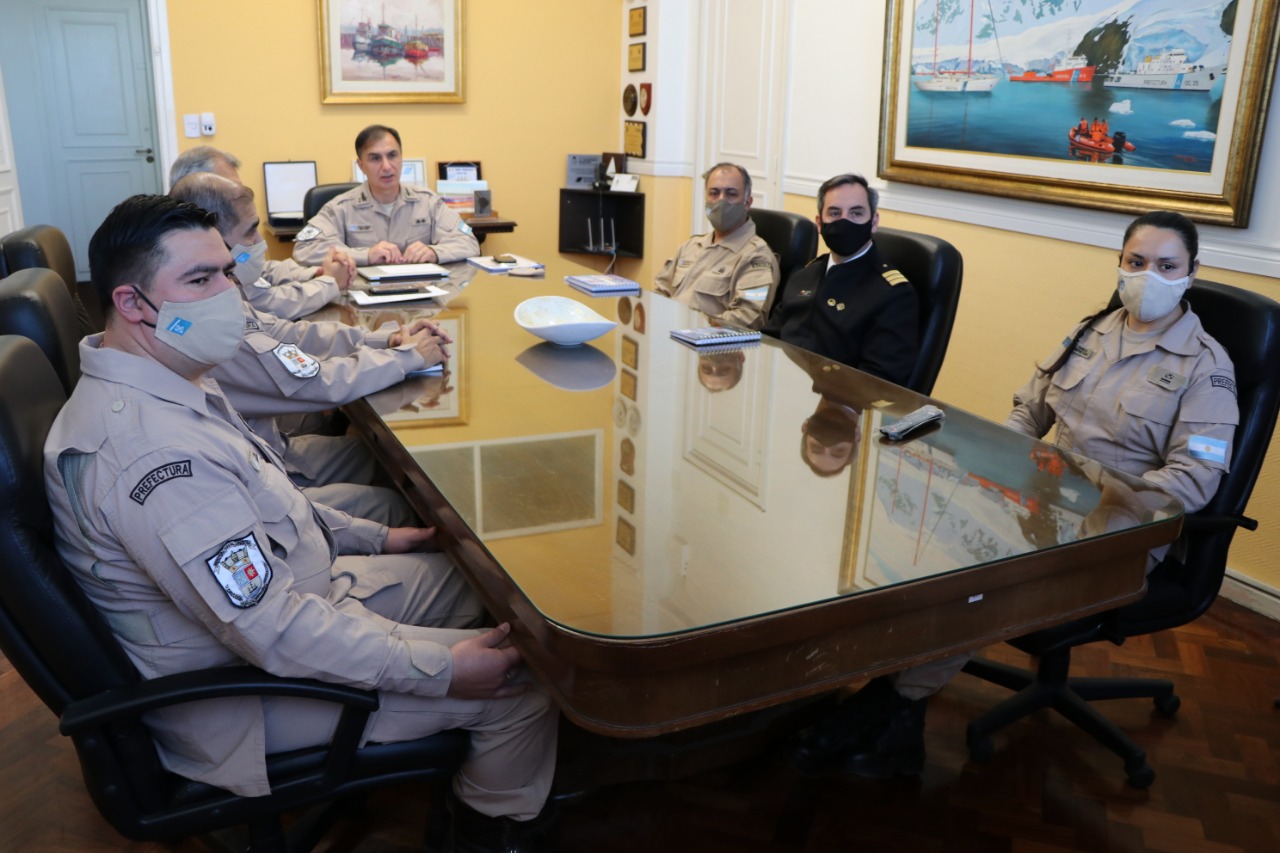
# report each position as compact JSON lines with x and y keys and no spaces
{"x":845,"y":237}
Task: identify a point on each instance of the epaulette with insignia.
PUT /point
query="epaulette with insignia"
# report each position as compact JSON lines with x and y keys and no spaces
{"x":894,"y":277}
{"x":822,"y":258}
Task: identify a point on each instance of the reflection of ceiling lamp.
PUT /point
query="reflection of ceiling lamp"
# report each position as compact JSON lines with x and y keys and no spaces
{"x":561,"y":320}
{"x":576,"y":369}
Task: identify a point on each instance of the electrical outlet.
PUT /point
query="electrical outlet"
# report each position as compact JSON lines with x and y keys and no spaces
{"x":191,"y":125}
{"x":208,"y":126}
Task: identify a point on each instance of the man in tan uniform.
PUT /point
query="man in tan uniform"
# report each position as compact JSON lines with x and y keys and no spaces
{"x":206,"y":158}
{"x":298,"y":368}
{"x":730,"y":273}
{"x":382,"y":222}
{"x":289,"y":299}
{"x":184,"y":531}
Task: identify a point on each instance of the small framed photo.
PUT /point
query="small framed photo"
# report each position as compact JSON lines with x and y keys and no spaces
{"x":626,"y":496}
{"x":636,"y":21}
{"x":635,"y":56}
{"x":626,"y":536}
{"x":630,"y":352}
{"x":627,"y":384}
{"x":633,"y":138}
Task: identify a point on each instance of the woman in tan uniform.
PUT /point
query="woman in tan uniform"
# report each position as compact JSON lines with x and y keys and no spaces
{"x":1142,"y":388}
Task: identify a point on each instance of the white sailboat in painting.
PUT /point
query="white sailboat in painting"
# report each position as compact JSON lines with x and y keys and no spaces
{"x":954,"y":81}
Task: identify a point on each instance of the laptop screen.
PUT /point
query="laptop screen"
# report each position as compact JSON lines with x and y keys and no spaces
{"x":286,"y":184}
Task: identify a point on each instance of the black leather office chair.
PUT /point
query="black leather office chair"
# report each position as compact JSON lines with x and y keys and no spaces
{"x":936,"y":270}
{"x":320,"y":195}
{"x":46,"y":246}
{"x":793,"y":238}
{"x":64,"y":650}
{"x":1178,"y":591}
{"x":34,"y":303}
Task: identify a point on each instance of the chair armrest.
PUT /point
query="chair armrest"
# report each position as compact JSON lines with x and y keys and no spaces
{"x":1215,"y":523}
{"x":131,"y":702}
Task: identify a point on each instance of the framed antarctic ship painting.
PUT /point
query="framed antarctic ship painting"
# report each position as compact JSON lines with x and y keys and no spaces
{"x":1123,"y":105}
{"x":391,"y":51}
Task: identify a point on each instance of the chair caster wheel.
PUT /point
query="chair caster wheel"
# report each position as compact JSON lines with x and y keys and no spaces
{"x":981,"y":749}
{"x":1140,"y":774}
{"x":1167,"y":706}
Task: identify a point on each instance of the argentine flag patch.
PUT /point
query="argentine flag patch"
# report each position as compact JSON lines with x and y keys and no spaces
{"x":1208,"y":449}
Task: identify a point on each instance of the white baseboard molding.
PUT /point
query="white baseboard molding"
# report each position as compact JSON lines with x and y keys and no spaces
{"x":1250,"y":593}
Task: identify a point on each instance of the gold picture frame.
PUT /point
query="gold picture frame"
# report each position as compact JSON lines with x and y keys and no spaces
{"x":635,"y":56}
{"x":636,"y":21}
{"x":412,"y":55}
{"x":1194,"y":150}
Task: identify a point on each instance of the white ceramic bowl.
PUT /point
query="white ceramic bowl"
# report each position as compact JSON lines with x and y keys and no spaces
{"x":561,"y":320}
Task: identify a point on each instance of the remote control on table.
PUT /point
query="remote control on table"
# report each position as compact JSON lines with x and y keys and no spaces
{"x":909,"y":423}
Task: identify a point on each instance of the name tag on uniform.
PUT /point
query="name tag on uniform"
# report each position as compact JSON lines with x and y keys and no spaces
{"x":1165,"y":378}
{"x":359,"y":228}
{"x":1208,"y":449}
{"x":1080,"y":349}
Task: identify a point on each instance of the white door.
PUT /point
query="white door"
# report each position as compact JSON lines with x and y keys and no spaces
{"x":741,"y":107}
{"x":78,"y":81}
{"x":10,"y":201}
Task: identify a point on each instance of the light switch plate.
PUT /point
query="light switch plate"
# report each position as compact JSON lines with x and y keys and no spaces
{"x":191,"y":125}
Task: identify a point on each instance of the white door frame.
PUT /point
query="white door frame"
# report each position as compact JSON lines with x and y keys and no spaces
{"x":162,"y":85}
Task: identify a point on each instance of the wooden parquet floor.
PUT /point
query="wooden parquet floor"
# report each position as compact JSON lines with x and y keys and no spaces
{"x":1049,"y":788}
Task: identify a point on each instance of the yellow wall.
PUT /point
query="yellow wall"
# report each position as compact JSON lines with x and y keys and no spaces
{"x":1021,"y":295}
{"x":533,"y":86}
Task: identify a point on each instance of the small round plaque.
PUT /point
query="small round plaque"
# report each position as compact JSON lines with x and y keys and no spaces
{"x":629,"y":99}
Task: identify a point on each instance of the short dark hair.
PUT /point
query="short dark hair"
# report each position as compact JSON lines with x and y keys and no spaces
{"x":372,"y":134}
{"x":873,"y":195}
{"x":127,"y":248}
{"x":746,"y":179}
{"x":1174,"y":222}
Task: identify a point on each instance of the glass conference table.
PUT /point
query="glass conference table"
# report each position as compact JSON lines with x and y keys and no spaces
{"x":679,"y":537}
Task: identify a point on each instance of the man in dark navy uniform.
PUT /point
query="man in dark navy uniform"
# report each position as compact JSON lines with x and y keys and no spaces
{"x":850,"y":305}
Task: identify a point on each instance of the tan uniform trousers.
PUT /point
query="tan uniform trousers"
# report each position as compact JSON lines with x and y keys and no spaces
{"x":339,"y":471}
{"x":513,"y":740}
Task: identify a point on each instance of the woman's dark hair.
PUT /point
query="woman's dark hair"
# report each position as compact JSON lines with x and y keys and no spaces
{"x":1185,"y":228}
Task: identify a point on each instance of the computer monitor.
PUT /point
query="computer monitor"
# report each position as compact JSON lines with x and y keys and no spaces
{"x":286,"y":184}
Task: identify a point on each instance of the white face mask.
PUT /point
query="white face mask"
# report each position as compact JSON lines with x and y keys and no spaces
{"x":1147,"y":296}
{"x":208,"y":331}
{"x":250,"y":261}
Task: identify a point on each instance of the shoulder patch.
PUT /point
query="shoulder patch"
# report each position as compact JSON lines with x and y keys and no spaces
{"x":894,"y":277}
{"x":1223,"y":382}
{"x":464,"y":228}
{"x":241,"y":570}
{"x":156,"y":476}
{"x":251,"y":325}
{"x":262,"y":284}
{"x":310,"y":232}
{"x":757,"y":263}
{"x":296,"y":361}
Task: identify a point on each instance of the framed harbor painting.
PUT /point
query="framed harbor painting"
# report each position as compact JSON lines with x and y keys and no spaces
{"x":1123,"y":105}
{"x":391,"y":52}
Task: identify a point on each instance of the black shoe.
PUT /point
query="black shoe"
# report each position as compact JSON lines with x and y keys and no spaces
{"x":870,"y":733}
{"x":473,"y":832}
{"x":897,"y":749}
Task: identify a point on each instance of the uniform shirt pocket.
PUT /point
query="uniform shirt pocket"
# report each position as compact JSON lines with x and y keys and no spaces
{"x":712,"y":291}
{"x":1150,"y":414}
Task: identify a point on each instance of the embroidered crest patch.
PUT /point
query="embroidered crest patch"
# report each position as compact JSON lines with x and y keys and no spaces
{"x":308,"y":233}
{"x":155,"y":477}
{"x":296,"y":361}
{"x":262,"y":284}
{"x":241,"y":571}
